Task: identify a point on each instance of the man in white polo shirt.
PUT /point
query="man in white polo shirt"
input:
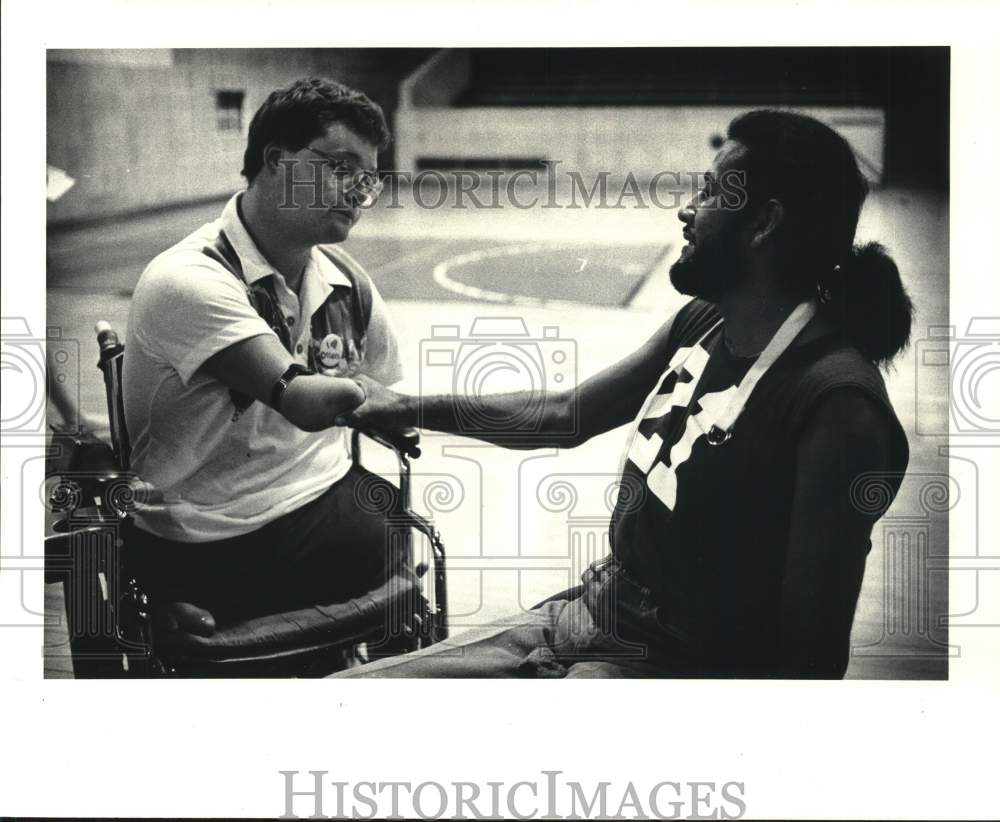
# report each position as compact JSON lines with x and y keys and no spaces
{"x":243,"y":342}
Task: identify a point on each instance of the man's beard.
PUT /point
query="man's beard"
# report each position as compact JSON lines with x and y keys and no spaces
{"x":706,"y":271}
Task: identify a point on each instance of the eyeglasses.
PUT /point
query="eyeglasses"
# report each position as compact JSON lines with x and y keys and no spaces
{"x":365,"y":182}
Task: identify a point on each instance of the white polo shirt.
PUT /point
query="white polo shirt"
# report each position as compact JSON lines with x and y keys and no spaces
{"x":218,"y":466}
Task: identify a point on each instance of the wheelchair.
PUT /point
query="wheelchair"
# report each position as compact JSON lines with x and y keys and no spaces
{"x":118,"y":629}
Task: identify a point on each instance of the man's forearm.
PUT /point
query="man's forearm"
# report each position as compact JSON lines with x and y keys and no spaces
{"x":313,"y":402}
{"x":521,"y":419}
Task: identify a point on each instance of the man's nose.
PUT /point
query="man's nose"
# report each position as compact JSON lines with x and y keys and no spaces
{"x":355,"y":199}
{"x":686,"y":214}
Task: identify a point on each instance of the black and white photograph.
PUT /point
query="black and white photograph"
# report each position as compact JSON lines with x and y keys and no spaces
{"x":524,"y":249}
{"x":465,"y":365}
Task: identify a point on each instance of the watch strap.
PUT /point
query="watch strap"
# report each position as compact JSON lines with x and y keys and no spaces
{"x":282,"y":383}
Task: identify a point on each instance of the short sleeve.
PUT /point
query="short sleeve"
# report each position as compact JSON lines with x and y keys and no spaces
{"x":187,"y":310}
{"x":382,"y":361}
{"x":692,"y":322}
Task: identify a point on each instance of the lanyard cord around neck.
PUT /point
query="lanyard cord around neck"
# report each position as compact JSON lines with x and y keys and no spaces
{"x":722,"y":429}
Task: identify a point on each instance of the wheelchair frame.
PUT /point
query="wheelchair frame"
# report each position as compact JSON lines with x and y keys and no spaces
{"x":109,"y":609}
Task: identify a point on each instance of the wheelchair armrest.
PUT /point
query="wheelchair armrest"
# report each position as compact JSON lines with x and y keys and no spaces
{"x":78,"y":452}
{"x":183,"y":616}
{"x":404,"y":440}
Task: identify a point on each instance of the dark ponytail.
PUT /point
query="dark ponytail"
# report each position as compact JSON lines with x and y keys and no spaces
{"x":866,"y":299}
{"x":812,"y":170}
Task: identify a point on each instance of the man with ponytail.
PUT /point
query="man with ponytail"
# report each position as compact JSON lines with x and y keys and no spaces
{"x":761,"y":427}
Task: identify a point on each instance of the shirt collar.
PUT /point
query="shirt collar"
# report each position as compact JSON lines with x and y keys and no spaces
{"x":256,"y":266}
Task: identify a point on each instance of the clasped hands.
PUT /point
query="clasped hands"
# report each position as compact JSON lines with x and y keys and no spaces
{"x":382,"y":408}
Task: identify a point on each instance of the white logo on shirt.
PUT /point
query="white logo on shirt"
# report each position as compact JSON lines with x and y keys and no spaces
{"x":661,"y":478}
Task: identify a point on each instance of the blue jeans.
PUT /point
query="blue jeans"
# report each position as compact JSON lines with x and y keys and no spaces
{"x":609,"y":630}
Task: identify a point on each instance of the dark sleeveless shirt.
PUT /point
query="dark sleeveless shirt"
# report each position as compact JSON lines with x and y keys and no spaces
{"x":706,"y":527}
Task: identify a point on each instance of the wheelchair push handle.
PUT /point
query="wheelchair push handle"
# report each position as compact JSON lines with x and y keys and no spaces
{"x":404,"y":440}
{"x":107,"y":340}
{"x":110,"y":363}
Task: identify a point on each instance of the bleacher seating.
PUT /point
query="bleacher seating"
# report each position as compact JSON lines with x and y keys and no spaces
{"x":665,"y":77}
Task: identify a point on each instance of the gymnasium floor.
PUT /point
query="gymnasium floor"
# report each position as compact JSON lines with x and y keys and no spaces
{"x":521,"y":525}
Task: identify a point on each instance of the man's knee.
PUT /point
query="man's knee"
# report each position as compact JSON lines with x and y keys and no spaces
{"x":599,"y":669}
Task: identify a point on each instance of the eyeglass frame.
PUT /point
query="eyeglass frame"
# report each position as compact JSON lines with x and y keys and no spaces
{"x":370,"y":191}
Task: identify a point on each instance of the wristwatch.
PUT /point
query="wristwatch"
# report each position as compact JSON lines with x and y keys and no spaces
{"x":293,"y":371}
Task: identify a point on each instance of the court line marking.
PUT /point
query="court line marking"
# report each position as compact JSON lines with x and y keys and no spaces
{"x":472,"y":292}
{"x":661,"y":263}
{"x":406,"y":259}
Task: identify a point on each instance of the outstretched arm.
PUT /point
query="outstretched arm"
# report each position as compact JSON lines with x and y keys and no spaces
{"x":567,"y":418}
{"x":195,"y":315}
{"x":830,"y":535}
{"x":311,"y":402}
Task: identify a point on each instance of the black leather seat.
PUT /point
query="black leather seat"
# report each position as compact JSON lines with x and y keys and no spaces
{"x":269,"y":643}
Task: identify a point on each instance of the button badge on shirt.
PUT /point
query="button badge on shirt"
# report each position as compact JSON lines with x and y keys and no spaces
{"x":336,"y":356}
{"x":331,"y":352}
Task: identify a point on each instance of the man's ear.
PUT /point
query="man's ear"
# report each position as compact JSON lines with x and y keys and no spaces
{"x":272,"y":154}
{"x":771,"y":216}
